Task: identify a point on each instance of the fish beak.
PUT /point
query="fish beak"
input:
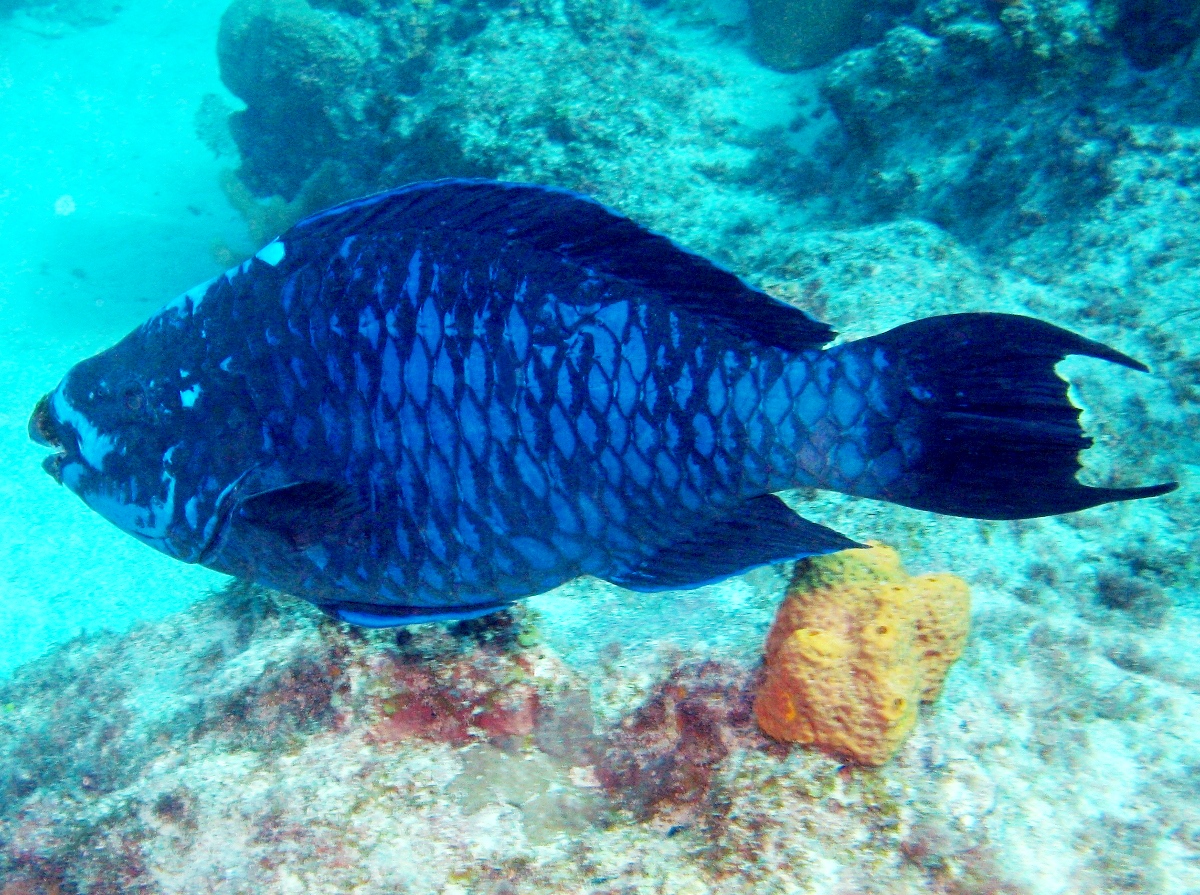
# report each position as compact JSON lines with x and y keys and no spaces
{"x":43,"y":431}
{"x":53,"y":466}
{"x":41,"y":425}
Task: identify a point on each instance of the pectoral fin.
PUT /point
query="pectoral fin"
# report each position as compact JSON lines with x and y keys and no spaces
{"x":759,"y":532}
{"x":305,"y":512}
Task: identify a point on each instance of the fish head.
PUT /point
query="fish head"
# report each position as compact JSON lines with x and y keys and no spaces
{"x":148,"y":437}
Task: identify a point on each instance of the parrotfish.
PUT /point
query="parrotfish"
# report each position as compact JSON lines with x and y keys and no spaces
{"x":432,"y":402}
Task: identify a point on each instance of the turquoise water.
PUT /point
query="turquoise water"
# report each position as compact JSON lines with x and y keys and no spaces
{"x":207,"y":737}
{"x":100,"y":166}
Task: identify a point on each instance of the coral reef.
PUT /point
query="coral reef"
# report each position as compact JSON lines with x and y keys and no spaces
{"x":382,"y":95}
{"x":986,"y":184}
{"x":464,"y":89}
{"x":293,"y":66}
{"x":250,"y":744}
{"x":856,"y":646}
{"x":790,"y":35}
{"x":263,"y":681}
{"x":794,"y":34}
{"x":1002,"y":122}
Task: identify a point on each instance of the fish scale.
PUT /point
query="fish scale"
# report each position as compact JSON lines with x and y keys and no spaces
{"x":563,"y":364}
{"x":432,"y":402}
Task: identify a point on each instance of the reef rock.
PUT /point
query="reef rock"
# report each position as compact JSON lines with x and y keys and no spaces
{"x":794,"y":34}
{"x":292,"y":65}
{"x":856,"y":646}
{"x":1152,"y":31}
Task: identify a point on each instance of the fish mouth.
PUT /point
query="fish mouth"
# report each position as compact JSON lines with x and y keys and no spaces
{"x":44,"y":431}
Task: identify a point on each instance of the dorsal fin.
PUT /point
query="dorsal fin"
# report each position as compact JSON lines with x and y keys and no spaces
{"x":583,"y":231}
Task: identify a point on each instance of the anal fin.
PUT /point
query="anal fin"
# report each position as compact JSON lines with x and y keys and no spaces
{"x":759,"y":532}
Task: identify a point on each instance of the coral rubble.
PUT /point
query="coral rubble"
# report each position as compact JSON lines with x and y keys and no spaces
{"x":856,"y":646}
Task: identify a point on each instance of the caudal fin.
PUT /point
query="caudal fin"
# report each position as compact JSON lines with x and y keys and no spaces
{"x":996,"y":436}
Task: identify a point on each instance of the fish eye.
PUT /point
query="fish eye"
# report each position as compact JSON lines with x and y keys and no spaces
{"x":134,"y":398}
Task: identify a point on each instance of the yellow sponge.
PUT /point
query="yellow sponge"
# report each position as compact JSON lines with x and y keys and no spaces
{"x":855,"y":647}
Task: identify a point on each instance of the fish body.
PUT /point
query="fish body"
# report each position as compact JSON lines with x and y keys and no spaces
{"x":435,"y":401}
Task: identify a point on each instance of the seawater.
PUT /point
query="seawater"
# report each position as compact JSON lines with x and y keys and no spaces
{"x":164,"y":730}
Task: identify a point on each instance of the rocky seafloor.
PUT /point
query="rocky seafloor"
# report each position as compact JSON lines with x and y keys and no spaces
{"x":1032,"y":156}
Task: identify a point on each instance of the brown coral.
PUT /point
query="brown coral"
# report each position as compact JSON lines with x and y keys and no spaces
{"x":855,"y":647}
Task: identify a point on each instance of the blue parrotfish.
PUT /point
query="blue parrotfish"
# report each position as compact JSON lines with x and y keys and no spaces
{"x":432,"y":402}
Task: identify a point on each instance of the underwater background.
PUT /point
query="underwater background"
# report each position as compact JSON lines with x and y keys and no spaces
{"x":871,"y":161}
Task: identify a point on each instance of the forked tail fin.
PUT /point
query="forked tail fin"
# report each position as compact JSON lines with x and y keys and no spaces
{"x":995,"y":434}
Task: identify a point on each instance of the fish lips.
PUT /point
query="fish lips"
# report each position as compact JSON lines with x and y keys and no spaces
{"x":44,"y":430}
